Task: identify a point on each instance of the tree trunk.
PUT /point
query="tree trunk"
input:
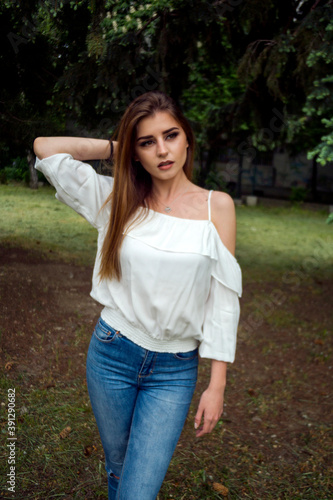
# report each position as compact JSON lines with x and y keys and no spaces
{"x":33,"y":183}
{"x":239,"y":177}
{"x":314,"y":179}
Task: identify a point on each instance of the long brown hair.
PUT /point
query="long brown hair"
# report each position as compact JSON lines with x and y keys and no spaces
{"x":132,"y":183}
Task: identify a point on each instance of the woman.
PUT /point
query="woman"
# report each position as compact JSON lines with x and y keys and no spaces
{"x":167,"y":278}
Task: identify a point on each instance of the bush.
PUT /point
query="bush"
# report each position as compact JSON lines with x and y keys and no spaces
{"x":18,"y":171}
{"x":329,"y":219}
{"x":215,"y":180}
{"x":298,"y":194}
{"x":3,"y":177}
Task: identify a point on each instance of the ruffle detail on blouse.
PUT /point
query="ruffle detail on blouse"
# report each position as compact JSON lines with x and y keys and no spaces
{"x":173,"y":234}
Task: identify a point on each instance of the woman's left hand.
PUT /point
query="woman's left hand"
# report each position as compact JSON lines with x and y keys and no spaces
{"x":209,"y":410}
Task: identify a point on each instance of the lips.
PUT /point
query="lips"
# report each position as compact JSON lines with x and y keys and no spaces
{"x":164,"y":165}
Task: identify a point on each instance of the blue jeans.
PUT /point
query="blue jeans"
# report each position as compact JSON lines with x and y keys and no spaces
{"x":140,"y":400}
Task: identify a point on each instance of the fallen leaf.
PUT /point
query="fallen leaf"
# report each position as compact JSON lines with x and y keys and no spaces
{"x":64,"y":433}
{"x":9,"y":365}
{"x":222,"y":490}
{"x":89,"y":450}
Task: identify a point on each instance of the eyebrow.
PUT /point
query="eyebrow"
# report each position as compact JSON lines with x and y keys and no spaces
{"x":150,"y":136}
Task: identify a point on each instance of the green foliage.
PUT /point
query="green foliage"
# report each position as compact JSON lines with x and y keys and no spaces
{"x":17,"y":171}
{"x":319,"y":102}
{"x":129,"y":17}
{"x":324,"y":150}
{"x":29,"y":75}
{"x":330,"y":219}
{"x":295,"y":64}
{"x":215,"y":180}
{"x":212,"y":93}
{"x":298,"y":194}
{"x":229,"y":64}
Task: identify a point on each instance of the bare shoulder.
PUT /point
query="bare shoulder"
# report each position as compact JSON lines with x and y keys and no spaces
{"x":224,"y":218}
{"x":222,"y":202}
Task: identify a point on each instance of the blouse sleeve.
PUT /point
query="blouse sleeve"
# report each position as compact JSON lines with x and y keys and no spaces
{"x":222,"y":308}
{"x":221,"y":323}
{"x":77,"y":185}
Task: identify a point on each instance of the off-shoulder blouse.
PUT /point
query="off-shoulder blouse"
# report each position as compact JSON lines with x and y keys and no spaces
{"x":180,"y":285}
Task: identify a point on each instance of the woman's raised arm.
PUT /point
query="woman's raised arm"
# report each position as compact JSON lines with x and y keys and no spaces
{"x":81,"y":148}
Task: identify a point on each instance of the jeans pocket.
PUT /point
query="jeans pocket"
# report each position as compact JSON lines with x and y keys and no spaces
{"x":186,"y":356}
{"x":105,"y":333}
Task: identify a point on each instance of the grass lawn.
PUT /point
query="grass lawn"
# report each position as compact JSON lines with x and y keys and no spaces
{"x":275,"y":239}
{"x":36,"y":220}
{"x":281,"y":239}
{"x":274,"y":440}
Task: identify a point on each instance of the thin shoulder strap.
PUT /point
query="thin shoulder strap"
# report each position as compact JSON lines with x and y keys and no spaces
{"x":209,"y":211}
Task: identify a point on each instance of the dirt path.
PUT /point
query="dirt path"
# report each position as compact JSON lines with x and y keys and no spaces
{"x":278,"y":405}
{"x":43,"y":305}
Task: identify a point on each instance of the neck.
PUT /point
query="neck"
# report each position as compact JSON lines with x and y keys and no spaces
{"x":167,"y":190}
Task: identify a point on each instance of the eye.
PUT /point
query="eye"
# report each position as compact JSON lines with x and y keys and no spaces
{"x":173,"y":135}
{"x":144,"y":144}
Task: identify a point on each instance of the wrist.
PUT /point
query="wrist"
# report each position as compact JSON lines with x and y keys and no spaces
{"x":217,"y":386}
{"x":218,"y":377}
{"x":111,"y":150}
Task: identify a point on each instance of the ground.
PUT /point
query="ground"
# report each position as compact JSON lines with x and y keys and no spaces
{"x":273,"y":440}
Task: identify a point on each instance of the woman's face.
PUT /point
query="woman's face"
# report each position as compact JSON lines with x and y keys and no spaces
{"x":161,"y":146}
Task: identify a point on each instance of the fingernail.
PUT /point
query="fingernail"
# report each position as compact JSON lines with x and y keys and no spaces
{"x":195,"y":425}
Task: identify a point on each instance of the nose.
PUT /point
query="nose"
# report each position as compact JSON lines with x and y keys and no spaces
{"x":161,"y":148}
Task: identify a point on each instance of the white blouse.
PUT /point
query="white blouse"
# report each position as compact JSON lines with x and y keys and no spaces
{"x":180,"y":285}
